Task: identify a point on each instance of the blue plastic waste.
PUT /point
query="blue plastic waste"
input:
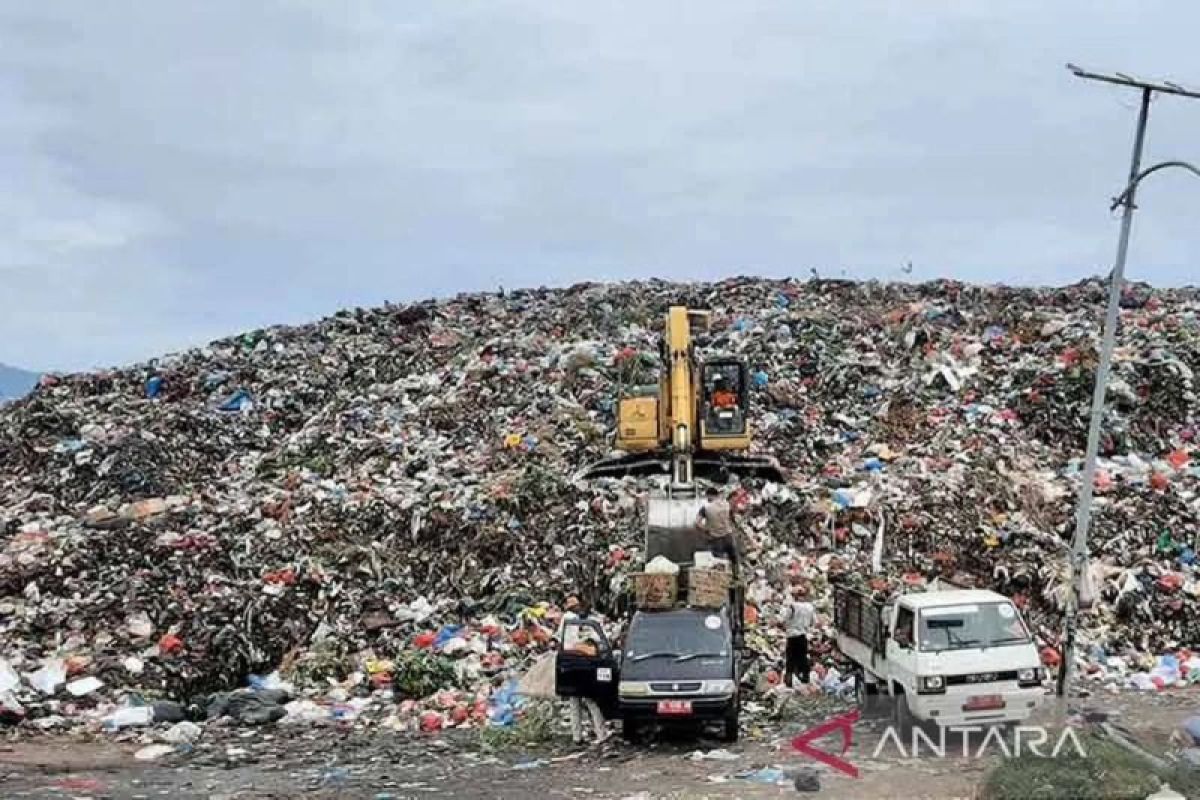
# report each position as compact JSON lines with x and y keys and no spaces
{"x":447,"y":633}
{"x":503,"y":705}
{"x":782,"y":300}
{"x":843,"y":499}
{"x":335,"y":776}
{"x":1191,"y":726}
{"x":872,"y":465}
{"x":240,"y":399}
{"x":760,"y":379}
{"x":764,"y":775}
{"x":215,"y":379}
{"x":741,"y":325}
{"x":154,"y":386}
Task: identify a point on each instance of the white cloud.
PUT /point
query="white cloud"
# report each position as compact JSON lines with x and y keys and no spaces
{"x":203,"y":168}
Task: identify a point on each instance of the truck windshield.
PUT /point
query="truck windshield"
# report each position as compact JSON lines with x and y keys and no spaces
{"x":677,"y":635}
{"x":967,"y":626}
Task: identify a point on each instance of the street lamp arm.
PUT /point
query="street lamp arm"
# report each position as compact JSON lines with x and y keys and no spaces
{"x":1124,"y":196}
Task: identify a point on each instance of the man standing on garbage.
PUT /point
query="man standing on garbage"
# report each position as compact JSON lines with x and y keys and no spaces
{"x":576,"y":639}
{"x":716,"y":519}
{"x":800,"y":615}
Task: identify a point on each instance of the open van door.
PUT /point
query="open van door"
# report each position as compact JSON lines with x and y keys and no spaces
{"x":586,"y":665}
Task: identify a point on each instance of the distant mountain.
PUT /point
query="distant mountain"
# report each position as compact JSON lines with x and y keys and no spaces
{"x":15,"y":382}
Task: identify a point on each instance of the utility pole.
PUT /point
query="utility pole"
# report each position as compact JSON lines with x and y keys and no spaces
{"x":1083,"y":514}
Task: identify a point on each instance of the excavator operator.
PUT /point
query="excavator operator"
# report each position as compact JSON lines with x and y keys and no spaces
{"x":722,"y":395}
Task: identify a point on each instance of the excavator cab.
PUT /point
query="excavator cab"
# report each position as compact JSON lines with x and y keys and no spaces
{"x":724,"y":404}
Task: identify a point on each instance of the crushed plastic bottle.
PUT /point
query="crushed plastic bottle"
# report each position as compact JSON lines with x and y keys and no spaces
{"x":129,"y":717}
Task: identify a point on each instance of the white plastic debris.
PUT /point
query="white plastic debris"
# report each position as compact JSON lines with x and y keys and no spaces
{"x":182,"y":733}
{"x":153,"y":752}
{"x":9,"y":680}
{"x":129,"y":717}
{"x":713,"y":755}
{"x":84,"y":686}
{"x":139,"y":625}
{"x":50,"y":678}
{"x":661,"y":565}
{"x":301,"y":712}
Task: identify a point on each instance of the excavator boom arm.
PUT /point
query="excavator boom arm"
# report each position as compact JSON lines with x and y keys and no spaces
{"x":681,"y":410}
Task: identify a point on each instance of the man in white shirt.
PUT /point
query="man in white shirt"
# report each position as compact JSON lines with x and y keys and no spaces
{"x":800,"y":616}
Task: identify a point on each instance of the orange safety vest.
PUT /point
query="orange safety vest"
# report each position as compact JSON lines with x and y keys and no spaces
{"x":724,"y":399}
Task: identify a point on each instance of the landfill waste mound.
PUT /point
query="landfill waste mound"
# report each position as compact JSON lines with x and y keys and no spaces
{"x":384,"y":501}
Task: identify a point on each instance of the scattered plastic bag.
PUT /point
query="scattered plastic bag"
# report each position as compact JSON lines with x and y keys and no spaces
{"x":50,"y":677}
{"x":661,"y":565}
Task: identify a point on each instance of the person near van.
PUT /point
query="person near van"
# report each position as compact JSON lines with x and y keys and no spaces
{"x":578,"y":639}
{"x":716,"y":520}
{"x":800,"y":616}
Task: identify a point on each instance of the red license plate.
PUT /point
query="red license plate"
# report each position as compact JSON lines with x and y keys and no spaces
{"x":675,"y":707}
{"x":984,"y":702}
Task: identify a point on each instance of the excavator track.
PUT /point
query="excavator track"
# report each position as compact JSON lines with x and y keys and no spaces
{"x":713,"y":467}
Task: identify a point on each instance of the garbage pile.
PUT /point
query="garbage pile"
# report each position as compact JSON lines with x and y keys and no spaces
{"x":383,"y":503}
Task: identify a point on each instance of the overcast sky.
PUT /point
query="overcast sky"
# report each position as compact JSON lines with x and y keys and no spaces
{"x":171,"y":172}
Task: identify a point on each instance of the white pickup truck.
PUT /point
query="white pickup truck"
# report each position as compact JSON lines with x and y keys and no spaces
{"x":956,"y":658}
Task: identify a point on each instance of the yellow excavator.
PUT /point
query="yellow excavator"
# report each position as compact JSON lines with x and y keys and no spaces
{"x":694,"y":426}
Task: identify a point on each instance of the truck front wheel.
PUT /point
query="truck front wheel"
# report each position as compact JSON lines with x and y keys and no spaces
{"x":729,"y":731}
{"x":902,"y":715}
{"x":866,"y":694}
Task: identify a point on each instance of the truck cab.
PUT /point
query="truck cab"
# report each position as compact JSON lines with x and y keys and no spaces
{"x":954,"y":658}
{"x":680,"y":666}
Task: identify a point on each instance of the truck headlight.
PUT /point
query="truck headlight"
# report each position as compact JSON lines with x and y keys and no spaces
{"x":633,"y":688}
{"x":1031,"y":676}
{"x":931,"y":684}
{"x":718,"y":687}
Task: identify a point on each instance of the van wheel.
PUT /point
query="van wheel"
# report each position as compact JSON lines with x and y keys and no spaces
{"x":729,"y":731}
{"x":631,"y":729}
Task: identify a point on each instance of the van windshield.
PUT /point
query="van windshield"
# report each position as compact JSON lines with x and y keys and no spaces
{"x":968,"y":626}
{"x":678,"y":635}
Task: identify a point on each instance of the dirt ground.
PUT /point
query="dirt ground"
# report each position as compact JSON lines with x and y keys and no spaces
{"x":233,"y":764}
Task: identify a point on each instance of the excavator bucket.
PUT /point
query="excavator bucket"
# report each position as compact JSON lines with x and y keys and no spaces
{"x":621,"y":465}
{"x":719,"y":467}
